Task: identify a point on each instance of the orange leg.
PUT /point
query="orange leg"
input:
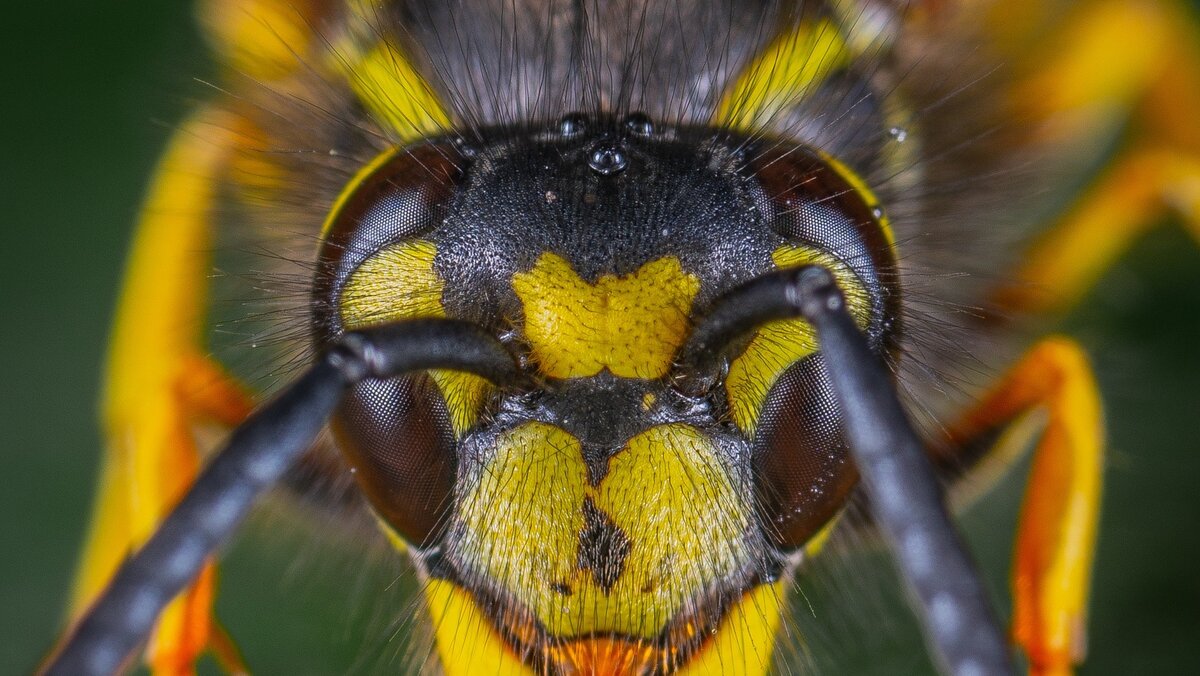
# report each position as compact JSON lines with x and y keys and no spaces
{"x":158,"y":387}
{"x":1135,"y":195}
{"x":159,"y":384}
{"x":1056,"y":538}
{"x":187,"y":627}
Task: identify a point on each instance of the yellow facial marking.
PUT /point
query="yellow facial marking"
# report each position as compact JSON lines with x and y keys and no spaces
{"x":523,"y":516}
{"x":467,"y":643}
{"x":780,"y":344}
{"x":745,"y":640}
{"x":648,"y":401}
{"x":674,"y":519}
{"x":631,"y":325}
{"x":399,"y":283}
{"x":797,"y":62}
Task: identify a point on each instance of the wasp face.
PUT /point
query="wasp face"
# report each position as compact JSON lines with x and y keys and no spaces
{"x":616,"y":513}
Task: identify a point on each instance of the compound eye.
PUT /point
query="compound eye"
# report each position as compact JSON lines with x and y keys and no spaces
{"x":402,"y":197}
{"x":802,"y":465}
{"x":376,"y":265}
{"x":815,"y":201}
{"x":824,"y":215}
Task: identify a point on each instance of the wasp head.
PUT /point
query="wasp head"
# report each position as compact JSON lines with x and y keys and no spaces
{"x":637,"y":498}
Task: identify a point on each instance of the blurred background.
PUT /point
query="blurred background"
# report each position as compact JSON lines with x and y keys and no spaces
{"x":90,"y":93}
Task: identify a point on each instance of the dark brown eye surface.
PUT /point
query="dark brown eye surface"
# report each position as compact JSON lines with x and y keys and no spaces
{"x":402,"y":199}
{"x":802,"y":465}
{"x":814,"y":200}
{"x":396,"y":434}
{"x":826,"y":216}
{"x":375,"y":266}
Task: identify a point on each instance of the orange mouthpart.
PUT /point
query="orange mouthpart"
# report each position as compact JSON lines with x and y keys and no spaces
{"x":604,"y":657}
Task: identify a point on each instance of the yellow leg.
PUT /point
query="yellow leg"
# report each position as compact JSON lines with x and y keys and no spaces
{"x":1138,"y":193}
{"x":158,"y":385}
{"x":1056,"y":538}
{"x":1115,"y":62}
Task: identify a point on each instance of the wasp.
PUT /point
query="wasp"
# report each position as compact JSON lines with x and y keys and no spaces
{"x":620,"y":314}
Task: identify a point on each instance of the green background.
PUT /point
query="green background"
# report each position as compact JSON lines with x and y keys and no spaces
{"x":89,"y":93}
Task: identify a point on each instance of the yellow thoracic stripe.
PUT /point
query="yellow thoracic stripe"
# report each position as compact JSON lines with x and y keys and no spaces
{"x":397,"y":97}
{"x":792,"y":67}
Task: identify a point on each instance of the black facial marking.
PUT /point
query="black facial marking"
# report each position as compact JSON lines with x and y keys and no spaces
{"x":681,"y":193}
{"x":603,"y":546}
